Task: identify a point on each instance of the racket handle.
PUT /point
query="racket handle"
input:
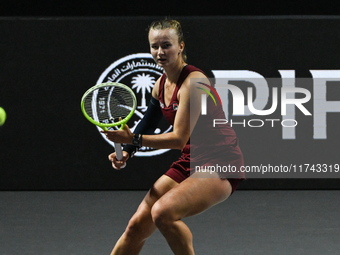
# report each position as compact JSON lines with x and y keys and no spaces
{"x":119,"y":153}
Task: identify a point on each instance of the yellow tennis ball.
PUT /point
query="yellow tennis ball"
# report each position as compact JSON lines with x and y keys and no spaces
{"x":2,"y":116}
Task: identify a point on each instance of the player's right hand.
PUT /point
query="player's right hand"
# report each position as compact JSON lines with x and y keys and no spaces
{"x":117,"y":164}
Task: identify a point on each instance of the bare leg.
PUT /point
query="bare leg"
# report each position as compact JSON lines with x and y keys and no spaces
{"x":141,"y":225}
{"x":192,"y":196}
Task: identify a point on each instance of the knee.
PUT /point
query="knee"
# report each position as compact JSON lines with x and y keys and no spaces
{"x":161,"y":216}
{"x":134,"y":228}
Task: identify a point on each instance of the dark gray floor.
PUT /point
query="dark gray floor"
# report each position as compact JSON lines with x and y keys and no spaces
{"x":249,"y":222}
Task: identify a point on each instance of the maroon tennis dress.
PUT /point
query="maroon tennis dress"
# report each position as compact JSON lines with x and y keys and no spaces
{"x":220,"y":147}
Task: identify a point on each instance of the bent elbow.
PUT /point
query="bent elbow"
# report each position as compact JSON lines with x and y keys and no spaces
{"x":181,"y":144}
{"x":179,"y":141}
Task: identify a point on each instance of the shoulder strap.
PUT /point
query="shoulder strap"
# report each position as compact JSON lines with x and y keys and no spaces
{"x":161,"y":88}
{"x":184,"y":74}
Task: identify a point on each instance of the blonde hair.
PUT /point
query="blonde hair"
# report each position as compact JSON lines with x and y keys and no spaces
{"x":170,"y":24}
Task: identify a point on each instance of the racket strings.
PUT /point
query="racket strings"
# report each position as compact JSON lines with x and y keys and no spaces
{"x":107,"y":105}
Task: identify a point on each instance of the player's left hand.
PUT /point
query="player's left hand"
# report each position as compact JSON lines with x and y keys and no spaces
{"x":120,"y":136}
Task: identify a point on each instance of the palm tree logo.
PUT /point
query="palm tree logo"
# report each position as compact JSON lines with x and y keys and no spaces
{"x":145,"y":83}
{"x":140,"y":72}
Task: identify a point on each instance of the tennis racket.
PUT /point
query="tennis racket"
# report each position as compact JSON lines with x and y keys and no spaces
{"x":109,"y":105}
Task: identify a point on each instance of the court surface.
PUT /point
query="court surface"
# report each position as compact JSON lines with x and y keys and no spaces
{"x":248,"y":223}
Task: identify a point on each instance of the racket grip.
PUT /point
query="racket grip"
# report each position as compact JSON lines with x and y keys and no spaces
{"x":119,"y":153}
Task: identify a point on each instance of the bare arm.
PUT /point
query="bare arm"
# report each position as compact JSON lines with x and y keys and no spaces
{"x":185,"y":120}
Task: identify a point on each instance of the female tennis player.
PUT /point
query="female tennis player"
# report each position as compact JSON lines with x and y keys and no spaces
{"x":174,"y":195}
